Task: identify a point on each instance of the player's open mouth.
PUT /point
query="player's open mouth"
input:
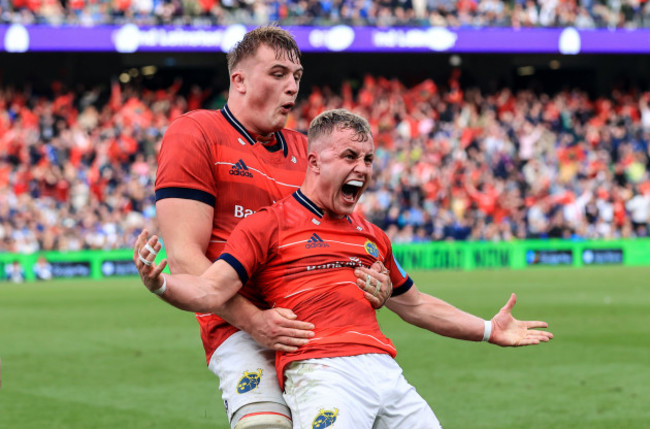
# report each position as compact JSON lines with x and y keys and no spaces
{"x":287,"y":107}
{"x":351,"y":190}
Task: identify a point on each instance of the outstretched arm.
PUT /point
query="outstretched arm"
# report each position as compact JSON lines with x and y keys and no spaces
{"x":438,"y":316}
{"x":510,"y":332}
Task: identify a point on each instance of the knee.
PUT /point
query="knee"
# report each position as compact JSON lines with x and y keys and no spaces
{"x":262,"y":415}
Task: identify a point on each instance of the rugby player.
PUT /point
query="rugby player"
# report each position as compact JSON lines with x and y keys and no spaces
{"x":302,"y":254}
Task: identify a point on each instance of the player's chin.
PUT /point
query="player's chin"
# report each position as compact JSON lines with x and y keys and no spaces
{"x":346,"y":207}
{"x":280,"y":121}
{"x":283,"y":112}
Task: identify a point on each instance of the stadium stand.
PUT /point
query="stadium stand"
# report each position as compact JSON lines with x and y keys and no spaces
{"x":383,"y":13}
{"x":454,"y":162}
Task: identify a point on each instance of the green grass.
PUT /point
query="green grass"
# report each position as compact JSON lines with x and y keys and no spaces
{"x":83,"y":354}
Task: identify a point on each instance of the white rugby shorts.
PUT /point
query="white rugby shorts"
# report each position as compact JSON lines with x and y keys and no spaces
{"x":246,"y":372}
{"x":361,"y":392}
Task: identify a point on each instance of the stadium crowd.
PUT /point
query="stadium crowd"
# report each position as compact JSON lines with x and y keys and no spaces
{"x":77,"y":167}
{"x":452,"y":13}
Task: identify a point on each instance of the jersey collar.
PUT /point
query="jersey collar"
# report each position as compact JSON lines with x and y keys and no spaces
{"x":308,"y":204}
{"x":311,"y":206}
{"x":281,"y":143}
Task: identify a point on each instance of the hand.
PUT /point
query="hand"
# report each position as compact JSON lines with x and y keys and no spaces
{"x":279,"y":330}
{"x":375,"y":282}
{"x":144,"y":256}
{"x":510,"y":332}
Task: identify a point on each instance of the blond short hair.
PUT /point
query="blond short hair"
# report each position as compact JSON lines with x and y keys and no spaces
{"x":339,"y":119}
{"x":281,"y":41}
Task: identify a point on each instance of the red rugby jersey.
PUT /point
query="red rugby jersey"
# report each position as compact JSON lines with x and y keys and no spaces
{"x":301,"y":259}
{"x":208,"y":156}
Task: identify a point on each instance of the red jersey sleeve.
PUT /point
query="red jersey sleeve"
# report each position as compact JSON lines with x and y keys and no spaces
{"x":185,"y":163}
{"x":251,"y":244}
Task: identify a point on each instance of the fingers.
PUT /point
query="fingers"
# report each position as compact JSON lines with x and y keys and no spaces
{"x":367,"y":282}
{"x":291,"y":321}
{"x":286,"y":313}
{"x":534,"y":337}
{"x":363,"y":272}
{"x":540,"y":335}
{"x":374,"y":300}
{"x":151,"y":249}
{"x":144,"y":260}
{"x":376,"y":270}
{"x":144,"y":255}
{"x":139,"y":242}
{"x":368,"y":287}
{"x":536,"y":324}
{"x":159,"y":269}
{"x":379,"y":267}
{"x":510,"y":304}
{"x":384,"y":277}
{"x":289,"y":334}
{"x":375,"y":282}
{"x":297,"y":334}
{"x":147,"y":253}
{"x":288,"y":326}
{"x":288,"y":344}
{"x":296,"y":328}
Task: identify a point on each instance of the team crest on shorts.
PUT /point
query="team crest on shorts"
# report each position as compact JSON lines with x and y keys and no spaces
{"x":371,"y":248}
{"x":325,"y":419}
{"x":249,"y":381}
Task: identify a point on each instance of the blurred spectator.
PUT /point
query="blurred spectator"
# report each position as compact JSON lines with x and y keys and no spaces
{"x":452,"y":163}
{"x":14,"y":272}
{"x":383,"y":13}
{"x":42,"y":269}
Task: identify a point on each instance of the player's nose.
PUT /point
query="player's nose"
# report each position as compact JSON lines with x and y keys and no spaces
{"x":292,"y":86}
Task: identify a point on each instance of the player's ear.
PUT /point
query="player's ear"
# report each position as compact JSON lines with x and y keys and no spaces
{"x":237,"y":81}
{"x":313,"y":162}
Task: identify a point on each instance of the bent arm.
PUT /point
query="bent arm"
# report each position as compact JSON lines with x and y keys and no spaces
{"x":186,"y":227}
{"x":207,"y":293}
{"x":436,"y":315}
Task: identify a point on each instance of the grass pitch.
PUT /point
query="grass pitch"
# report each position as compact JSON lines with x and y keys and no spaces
{"x":82,"y":354}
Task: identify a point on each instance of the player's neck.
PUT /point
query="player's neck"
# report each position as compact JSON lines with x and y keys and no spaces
{"x":247,"y":117}
{"x":312,"y":194}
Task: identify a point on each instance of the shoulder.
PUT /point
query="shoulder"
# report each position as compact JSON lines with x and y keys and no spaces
{"x":294,"y":134}
{"x":363,"y":222}
{"x":377,"y":233}
{"x":294,"y":137}
{"x":263,"y":222}
{"x":202,"y":114}
{"x":196,"y":119}
{"x":275,"y":215}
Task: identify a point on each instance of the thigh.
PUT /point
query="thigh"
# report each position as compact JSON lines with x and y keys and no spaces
{"x":321,"y":392}
{"x":246,"y":373}
{"x":402,"y":405}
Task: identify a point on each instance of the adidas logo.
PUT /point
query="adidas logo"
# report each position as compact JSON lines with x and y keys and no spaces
{"x":315,"y":241}
{"x":240,"y":169}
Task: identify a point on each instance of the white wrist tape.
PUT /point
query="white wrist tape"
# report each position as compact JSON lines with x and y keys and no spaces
{"x":150,"y":249}
{"x":487,"y":331}
{"x":162,"y":288}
